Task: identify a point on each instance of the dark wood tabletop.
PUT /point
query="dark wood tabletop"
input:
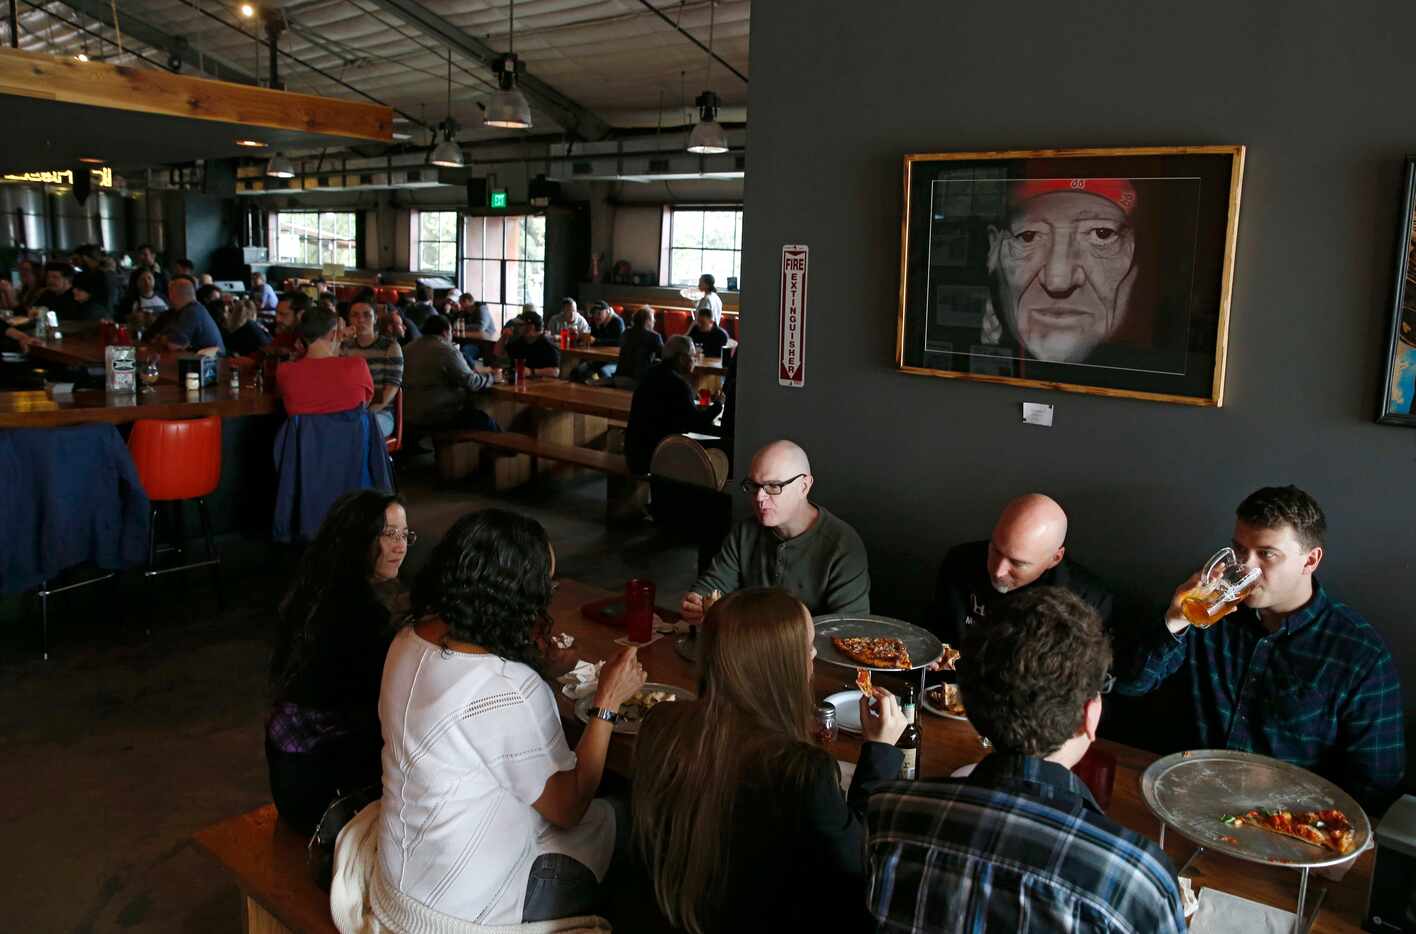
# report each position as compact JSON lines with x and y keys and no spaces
{"x":708,"y":365}
{"x":949,"y":744}
{"x":565,"y":396}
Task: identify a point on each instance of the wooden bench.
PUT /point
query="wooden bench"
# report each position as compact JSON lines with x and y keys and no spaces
{"x":626,"y":494}
{"x":267,"y":860}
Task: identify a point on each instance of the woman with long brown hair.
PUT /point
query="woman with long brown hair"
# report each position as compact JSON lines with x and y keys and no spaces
{"x":738,"y":815}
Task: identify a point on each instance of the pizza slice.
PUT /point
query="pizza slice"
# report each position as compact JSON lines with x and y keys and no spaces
{"x":950,"y":656}
{"x":863,"y":682}
{"x":873,"y":652}
{"x":1329,"y":829}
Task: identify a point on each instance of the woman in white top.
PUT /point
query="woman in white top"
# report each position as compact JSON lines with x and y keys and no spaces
{"x":711,"y":300}
{"x":488,"y":817}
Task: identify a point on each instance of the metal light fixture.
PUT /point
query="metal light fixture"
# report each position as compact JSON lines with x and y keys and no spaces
{"x":247,"y":11}
{"x":448,"y":153}
{"x":508,"y":107}
{"x":251,"y":143}
{"x":708,"y":137}
{"x":280,"y":167}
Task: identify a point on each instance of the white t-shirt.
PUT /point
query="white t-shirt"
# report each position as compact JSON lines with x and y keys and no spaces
{"x":713,"y":302}
{"x":469,"y":742}
{"x":575,"y":322}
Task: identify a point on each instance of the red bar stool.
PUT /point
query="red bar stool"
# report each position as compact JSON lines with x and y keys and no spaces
{"x":177,"y":460}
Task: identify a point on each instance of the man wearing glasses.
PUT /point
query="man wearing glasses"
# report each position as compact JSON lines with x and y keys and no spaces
{"x":789,"y":542}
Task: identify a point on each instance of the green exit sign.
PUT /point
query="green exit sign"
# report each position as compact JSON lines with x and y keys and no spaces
{"x":498,"y":197}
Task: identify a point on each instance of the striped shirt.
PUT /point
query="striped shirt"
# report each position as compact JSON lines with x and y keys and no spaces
{"x":1019,"y":845}
{"x":1321,"y":692}
{"x":385,"y":359}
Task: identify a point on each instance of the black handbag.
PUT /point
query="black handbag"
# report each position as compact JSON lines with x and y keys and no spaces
{"x":319,"y":853}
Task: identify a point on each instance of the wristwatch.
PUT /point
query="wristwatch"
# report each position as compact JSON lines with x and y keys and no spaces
{"x":606,"y":714}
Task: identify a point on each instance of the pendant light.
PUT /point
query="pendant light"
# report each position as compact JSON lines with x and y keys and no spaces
{"x":508,"y":108}
{"x":708,"y":138}
{"x":448,"y":153}
{"x":280,"y":167}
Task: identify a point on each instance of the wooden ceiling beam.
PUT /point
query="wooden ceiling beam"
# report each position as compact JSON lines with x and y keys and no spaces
{"x":145,"y":90}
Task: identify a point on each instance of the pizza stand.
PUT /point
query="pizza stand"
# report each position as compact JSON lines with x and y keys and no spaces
{"x":924,"y":647}
{"x":1191,"y":793}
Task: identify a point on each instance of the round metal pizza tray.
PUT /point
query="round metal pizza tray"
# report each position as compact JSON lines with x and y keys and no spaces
{"x":924,"y":647}
{"x":1191,"y":791}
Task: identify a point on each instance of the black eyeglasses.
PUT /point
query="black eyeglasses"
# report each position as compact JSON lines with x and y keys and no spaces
{"x":773,"y":487}
{"x":393,"y":535}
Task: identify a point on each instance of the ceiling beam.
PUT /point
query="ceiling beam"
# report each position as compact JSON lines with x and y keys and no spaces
{"x":135,"y":28}
{"x":571,"y":116}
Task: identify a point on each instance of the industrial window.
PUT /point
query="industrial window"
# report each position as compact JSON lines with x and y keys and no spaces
{"x":504,"y":263}
{"x":704,"y":240}
{"x":434,"y":241}
{"x":314,"y":238}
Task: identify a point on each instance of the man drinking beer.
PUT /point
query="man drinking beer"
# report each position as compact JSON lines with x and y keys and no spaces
{"x":1293,"y":674}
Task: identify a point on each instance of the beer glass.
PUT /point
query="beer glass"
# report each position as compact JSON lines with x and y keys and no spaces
{"x":639,"y":610}
{"x":1224,"y":583}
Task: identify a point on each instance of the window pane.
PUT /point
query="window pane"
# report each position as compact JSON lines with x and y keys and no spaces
{"x":687,"y":228}
{"x":447,"y":226}
{"x":472,"y":277}
{"x":328,"y":226}
{"x":684,"y":267}
{"x":536,"y":239}
{"x":719,"y":228}
{"x":737,"y":238}
{"x":447,"y":256}
{"x":493,"y":242}
{"x":491,"y":280}
{"x":718,"y":264}
{"x":515,"y":227}
{"x":515,"y":295}
{"x":474,"y":247}
{"x":428,"y":256}
{"x":309,"y":250}
{"x":427,"y":225}
{"x":536,"y":283}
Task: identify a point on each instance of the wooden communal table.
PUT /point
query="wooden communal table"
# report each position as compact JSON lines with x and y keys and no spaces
{"x":552,"y":411}
{"x":949,"y":744}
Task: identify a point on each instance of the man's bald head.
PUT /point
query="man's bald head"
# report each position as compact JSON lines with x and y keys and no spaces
{"x":181,"y":291}
{"x":1028,"y":541}
{"x":784,"y":463}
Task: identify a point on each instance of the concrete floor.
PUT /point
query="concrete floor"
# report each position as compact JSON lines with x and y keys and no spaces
{"x":126,"y":742}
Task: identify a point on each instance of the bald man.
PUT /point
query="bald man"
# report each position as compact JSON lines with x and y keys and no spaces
{"x":190,"y":326}
{"x":789,"y":542}
{"x":1028,"y":548}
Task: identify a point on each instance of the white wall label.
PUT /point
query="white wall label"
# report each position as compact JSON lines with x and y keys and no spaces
{"x":1036,"y":413}
{"x":791,"y":340}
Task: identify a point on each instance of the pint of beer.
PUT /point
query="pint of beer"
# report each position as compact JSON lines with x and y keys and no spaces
{"x":1224,"y":583}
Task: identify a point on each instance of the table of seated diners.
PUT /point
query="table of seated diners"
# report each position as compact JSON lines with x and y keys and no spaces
{"x":949,"y":744}
{"x":707,"y":372}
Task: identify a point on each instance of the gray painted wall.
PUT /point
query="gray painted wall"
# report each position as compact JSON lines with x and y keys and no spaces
{"x":917,"y":463}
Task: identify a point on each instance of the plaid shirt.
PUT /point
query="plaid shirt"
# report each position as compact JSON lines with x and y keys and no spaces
{"x":1019,"y":845}
{"x":1321,"y":692}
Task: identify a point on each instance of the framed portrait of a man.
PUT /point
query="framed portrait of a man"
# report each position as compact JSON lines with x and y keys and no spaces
{"x":1399,"y":385}
{"x":1104,"y":271}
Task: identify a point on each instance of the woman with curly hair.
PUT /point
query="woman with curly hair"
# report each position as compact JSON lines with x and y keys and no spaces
{"x":739,"y":820}
{"x":336,"y":623}
{"x":488,"y":818}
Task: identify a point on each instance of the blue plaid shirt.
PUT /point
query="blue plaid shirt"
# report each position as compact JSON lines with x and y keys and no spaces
{"x":1019,"y":845}
{"x":1321,"y":692}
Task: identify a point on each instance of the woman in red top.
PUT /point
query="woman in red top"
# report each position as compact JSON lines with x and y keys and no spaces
{"x":322,"y":381}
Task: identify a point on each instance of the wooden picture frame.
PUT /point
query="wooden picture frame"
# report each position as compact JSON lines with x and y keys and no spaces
{"x":1100,"y":271}
{"x":1399,"y":374}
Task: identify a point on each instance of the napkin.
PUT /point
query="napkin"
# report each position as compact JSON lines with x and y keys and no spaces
{"x":581,"y":680}
{"x":1187,"y":895}
{"x":1222,"y":913}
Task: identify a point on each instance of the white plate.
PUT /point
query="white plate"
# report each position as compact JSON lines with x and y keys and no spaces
{"x":847,"y":704}
{"x":582,"y":706}
{"x":938,"y":711}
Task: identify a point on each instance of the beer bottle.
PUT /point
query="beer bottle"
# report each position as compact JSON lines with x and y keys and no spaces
{"x":909,"y":741}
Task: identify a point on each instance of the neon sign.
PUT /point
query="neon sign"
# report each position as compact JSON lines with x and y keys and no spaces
{"x":103,"y":177}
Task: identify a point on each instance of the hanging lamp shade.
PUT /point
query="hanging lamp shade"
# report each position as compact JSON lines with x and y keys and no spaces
{"x":280,"y":167}
{"x":707,"y":137}
{"x":448,"y":154}
{"x":508,"y":107}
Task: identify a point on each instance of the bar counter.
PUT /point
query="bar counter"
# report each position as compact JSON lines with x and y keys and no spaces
{"x":35,"y":408}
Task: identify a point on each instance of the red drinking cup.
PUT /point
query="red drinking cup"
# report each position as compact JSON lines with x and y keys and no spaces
{"x":639,"y":610}
{"x":520,"y":372}
{"x":705,"y":398}
{"x":1098,"y":769}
